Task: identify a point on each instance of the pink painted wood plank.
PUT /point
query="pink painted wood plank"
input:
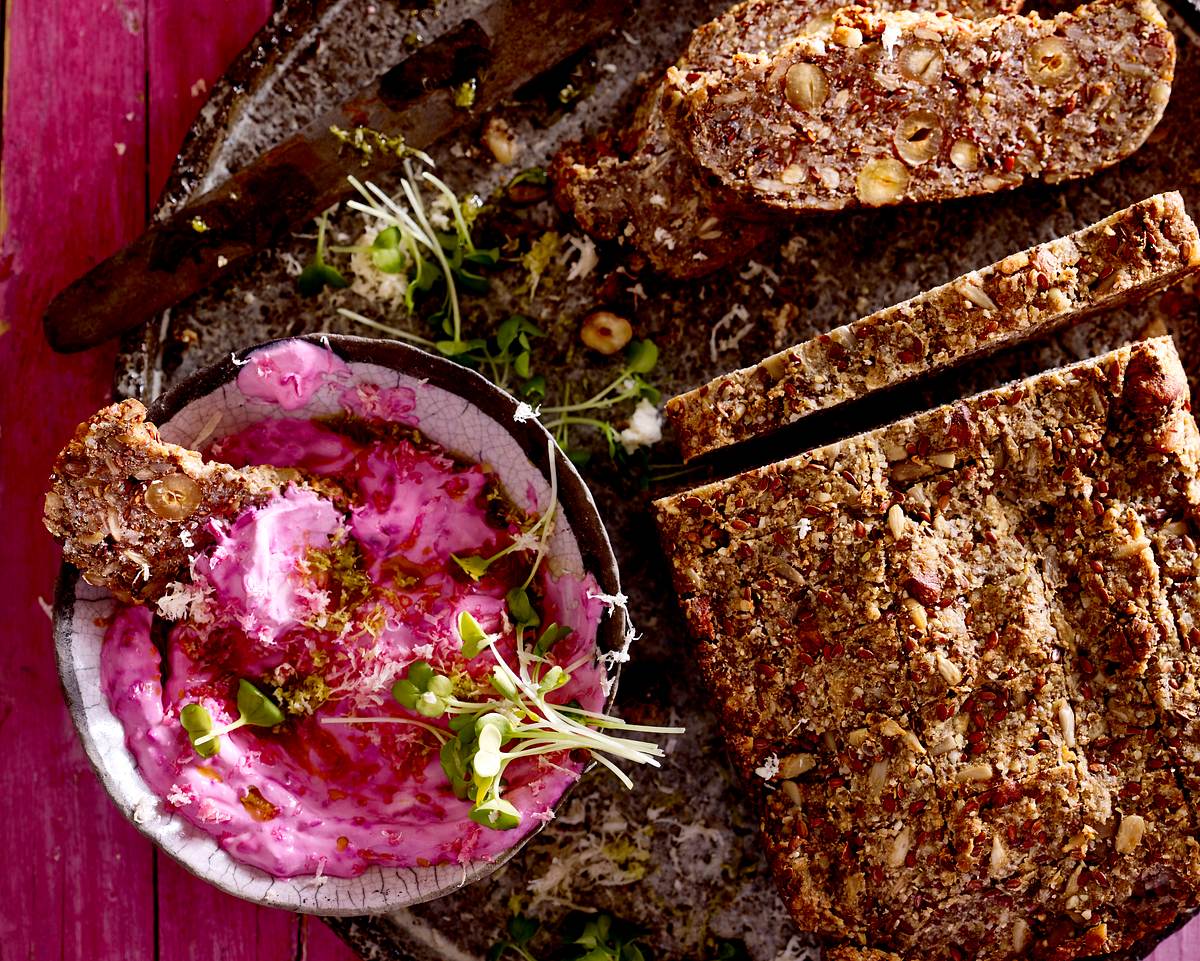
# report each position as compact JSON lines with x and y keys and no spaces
{"x":189,"y":45}
{"x":77,"y":879}
{"x":321,"y":944}
{"x":243,"y":929}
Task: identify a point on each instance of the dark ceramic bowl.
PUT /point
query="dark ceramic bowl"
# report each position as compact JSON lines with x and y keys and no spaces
{"x":458,"y":409}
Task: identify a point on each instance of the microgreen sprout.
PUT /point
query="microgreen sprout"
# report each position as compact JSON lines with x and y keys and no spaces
{"x":472,"y":637}
{"x":583,"y":937}
{"x":529,"y":186}
{"x":370,"y":142}
{"x":318,"y":275}
{"x":532,"y":539}
{"x":641,"y":356}
{"x":429,"y":257}
{"x":511,"y":717}
{"x":197,"y":722}
{"x":254,"y":709}
{"x":464,"y":94}
{"x":437,"y":262}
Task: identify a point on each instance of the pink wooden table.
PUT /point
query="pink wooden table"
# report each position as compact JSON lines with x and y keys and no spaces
{"x":97,"y":97}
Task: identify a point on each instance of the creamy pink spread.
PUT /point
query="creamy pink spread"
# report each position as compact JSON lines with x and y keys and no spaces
{"x":323,"y":603}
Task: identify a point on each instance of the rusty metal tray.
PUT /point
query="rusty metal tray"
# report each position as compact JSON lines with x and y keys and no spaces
{"x":680,"y":856}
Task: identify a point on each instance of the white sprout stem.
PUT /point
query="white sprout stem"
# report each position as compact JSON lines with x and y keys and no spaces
{"x":566,"y":727}
{"x":544,"y":520}
{"x":523,"y":656}
{"x":594,"y":399}
{"x":568,"y":419}
{"x":390,"y":213}
{"x":556,"y":748}
{"x":621,"y":775}
{"x":541,"y":743}
{"x":321,"y":237}
{"x":583,"y":734}
{"x":385,"y":328}
{"x":607,"y":720}
{"x":455,"y":208}
{"x":386,"y":720}
{"x":418,"y":209}
{"x":227,"y":729}
{"x":410,"y":231}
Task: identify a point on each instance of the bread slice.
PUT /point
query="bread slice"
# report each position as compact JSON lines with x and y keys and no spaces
{"x":897,"y":107}
{"x":1121,"y":259}
{"x":131,"y":510}
{"x":945,"y":657}
{"x":650,"y":194}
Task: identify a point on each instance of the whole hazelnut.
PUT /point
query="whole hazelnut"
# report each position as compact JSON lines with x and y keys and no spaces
{"x":605,"y":332}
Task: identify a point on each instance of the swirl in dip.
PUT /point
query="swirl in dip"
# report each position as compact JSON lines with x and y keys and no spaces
{"x":322,"y":599}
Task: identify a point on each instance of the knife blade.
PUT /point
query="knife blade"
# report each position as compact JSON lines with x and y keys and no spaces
{"x":501,"y":48}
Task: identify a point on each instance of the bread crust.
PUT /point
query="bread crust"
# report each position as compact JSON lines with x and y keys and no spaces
{"x":1123,"y":258}
{"x":119,"y":524}
{"x":944,"y":654}
{"x":909,"y":106}
{"x":650,"y":194}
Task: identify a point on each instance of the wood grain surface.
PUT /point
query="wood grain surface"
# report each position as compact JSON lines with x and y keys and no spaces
{"x":97,"y":97}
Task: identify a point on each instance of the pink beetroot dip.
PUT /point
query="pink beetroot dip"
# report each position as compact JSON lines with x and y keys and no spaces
{"x":323,"y":605}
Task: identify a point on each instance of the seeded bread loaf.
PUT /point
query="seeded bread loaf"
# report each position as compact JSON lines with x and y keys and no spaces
{"x":919,"y":106}
{"x":653,"y":198}
{"x":945,"y":656}
{"x":1121,"y":259}
{"x":130,"y":510}
{"x":648,"y":192}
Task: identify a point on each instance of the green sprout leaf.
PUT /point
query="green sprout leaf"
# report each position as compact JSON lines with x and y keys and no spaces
{"x":424,"y":690}
{"x":487,"y":257}
{"x":316,"y":277}
{"x":536,"y":176}
{"x":198,"y":723}
{"x":503,"y":685}
{"x":534,"y":389}
{"x":255,"y":707}
{"x":453,"y":756}
{"x":578,"y":456}
{"x":473,"y":637}
{"x":520,"y":608}
{"x":550,"y":636}
{"x":600,"y":938}
{"x":386,"y":252}
{"x":457,"y":348}
{"x":498,"y":814}
{"x":421,"y":673}
{"x":522,"y":928}
{"x":475,"y":567}
{"x":529,"y":186}
{"x":648,"y":391}
{"x":516,"y":327}
{"x":641,"y":356}
{"x":406,"y":693}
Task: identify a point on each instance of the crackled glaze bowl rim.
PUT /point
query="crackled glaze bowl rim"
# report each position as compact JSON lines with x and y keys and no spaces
{"x":378,"y":889}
